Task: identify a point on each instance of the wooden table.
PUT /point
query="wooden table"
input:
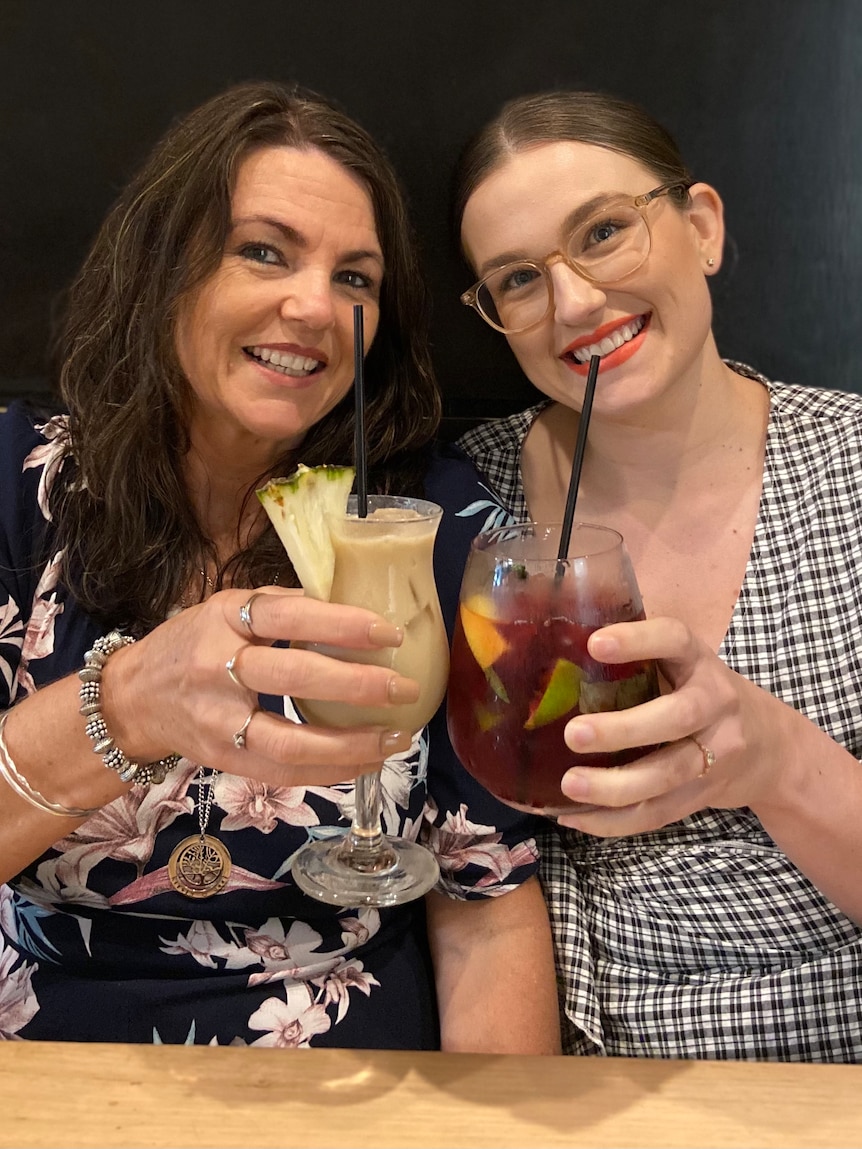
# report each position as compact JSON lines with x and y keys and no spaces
{"x":62,"y":1095}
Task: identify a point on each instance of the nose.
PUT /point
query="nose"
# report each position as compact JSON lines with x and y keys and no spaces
{"x":575,"y":298}
{"x":308,"y":299}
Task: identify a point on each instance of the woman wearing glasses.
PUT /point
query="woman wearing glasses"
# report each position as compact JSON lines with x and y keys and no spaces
{"x":708,"y":908}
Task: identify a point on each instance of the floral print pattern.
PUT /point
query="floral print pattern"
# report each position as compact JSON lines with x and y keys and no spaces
{"x":95,"y":943}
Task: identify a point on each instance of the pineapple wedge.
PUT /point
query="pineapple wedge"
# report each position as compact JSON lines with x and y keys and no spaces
{"x":297,"y":507}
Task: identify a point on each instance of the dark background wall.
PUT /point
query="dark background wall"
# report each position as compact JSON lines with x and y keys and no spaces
{"x":764,"y":97}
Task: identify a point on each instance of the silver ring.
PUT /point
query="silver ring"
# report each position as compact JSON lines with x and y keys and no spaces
{"x":245,"y":613}
{"x":708,"y":757}
{"x":239,"y":737}
{"x":230,"y":667}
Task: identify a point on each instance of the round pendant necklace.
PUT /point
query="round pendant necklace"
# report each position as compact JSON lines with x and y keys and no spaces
{"x":200,"y":865}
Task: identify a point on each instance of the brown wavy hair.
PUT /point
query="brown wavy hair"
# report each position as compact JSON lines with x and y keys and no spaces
{"x":577,"y":116}
{"x":121,"y":510}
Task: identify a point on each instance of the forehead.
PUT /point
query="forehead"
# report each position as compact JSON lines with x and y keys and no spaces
{"x":280,"y":182}
{"x":531,"y":192}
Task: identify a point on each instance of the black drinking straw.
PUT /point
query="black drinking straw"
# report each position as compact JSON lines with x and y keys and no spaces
{"x":359,"y":453}
{"x":577,"y":464}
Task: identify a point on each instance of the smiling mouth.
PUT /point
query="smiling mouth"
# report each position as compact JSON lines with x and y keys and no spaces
{"x":622,"y":335}
{"x":285,"y":362}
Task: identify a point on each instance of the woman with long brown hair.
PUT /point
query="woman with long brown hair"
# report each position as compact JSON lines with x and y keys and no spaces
{"x":208,"y":347}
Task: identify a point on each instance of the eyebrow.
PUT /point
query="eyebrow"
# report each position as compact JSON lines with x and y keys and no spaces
{"x":572,"y":220}
{"x":298,"y":239}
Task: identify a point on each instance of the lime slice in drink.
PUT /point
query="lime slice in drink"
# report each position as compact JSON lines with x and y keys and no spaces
{"x":496,"y":684}
{"x":597,"y":697}
{"x":560,"y":695}
{"x":619,"y":695}
{"x":487,"y":718}
{"x":633,"y":691}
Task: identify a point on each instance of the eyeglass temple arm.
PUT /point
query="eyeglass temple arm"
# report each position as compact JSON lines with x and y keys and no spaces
{"x":663,"y":189}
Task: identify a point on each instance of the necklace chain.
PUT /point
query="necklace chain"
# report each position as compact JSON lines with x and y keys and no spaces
{"x":205,"y":798}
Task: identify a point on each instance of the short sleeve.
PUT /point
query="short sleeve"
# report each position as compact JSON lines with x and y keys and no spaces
{"x":484,"y":848}
{"x":29,"y":455}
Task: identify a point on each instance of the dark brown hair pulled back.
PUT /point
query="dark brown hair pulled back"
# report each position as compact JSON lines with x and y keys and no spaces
{"x":581,"y":117}
{"x":130,"y":538}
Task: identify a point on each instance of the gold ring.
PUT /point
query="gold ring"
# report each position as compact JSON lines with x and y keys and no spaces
{"x":708,"y":757}
{"x":230,"y":667}
{"x":239,"y":737}
{"x":245,"y":613}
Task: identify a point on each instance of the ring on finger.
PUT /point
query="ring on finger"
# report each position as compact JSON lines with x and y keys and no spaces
{"x":231,"y":668}
{"x":245,"y":613}
{"x":708,"y":756}
{"x":239,"y":737}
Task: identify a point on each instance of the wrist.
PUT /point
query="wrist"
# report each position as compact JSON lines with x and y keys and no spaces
{"x":118,"y":742}
{"x":786,"y":776}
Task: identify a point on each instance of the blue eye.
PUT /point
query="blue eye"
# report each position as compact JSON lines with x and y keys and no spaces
{"x":260,"y":253}
{"x":607,"y":232}
{"x":602,"y":232}
{"x":515,"y":279}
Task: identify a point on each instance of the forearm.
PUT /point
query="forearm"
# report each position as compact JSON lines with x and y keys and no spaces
{"x":46,"y":741}
{"x":494,"y":969}
{"x":815,"y":814}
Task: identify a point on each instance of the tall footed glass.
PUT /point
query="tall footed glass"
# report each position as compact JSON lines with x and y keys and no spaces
{"x":383,"y":562}
{"x":520,"y":665}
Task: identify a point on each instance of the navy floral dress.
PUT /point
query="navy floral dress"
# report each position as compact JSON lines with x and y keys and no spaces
{"x":95,"y":943}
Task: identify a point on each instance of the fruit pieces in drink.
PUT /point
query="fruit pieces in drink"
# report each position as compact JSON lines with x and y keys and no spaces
{"x":297,"y":507}
{"x":516,"y":685}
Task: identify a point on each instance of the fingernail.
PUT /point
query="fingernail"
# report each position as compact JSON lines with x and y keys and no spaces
{"x":403,"y":690}
{"x":385,"y":634}
{"x":601,"y":645}
{"x":574,"y":785}
{"x":393,"y":741}
{"x":577,"y":735}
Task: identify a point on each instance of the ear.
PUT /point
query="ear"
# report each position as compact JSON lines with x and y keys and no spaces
{"x":706,"y":216}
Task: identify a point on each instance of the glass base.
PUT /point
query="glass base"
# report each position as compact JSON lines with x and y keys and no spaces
{"x":320,"y":870}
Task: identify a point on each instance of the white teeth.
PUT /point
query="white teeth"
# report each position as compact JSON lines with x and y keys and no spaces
{"x":285,"y":361}
{"x":611,"y":342}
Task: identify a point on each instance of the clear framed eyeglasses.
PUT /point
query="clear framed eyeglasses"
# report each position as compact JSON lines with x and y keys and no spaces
{"x":604,"y":249}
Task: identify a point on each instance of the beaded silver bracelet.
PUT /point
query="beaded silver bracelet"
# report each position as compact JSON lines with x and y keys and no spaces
{"x":16,"y":781}
{"x":90,"y":694}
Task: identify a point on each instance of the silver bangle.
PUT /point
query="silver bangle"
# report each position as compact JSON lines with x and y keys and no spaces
{"x":140,"y":773}
{"x":16,"y":781}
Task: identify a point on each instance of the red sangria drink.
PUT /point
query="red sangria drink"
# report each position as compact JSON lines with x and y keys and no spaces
{"x":520,"y":669}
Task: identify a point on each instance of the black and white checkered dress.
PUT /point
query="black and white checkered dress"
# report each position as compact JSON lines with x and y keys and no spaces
{"x":702,"y":939}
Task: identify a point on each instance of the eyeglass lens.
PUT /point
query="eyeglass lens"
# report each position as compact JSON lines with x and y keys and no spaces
{"x":606,"y":248}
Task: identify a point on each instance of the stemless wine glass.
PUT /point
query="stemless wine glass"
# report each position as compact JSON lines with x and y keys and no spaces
{"x":520,"y":667}
{"x":383,"y":562}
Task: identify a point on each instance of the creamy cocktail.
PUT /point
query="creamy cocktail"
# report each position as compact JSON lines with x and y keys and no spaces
{"x":385,"y":562}
{"x":382,"y":560}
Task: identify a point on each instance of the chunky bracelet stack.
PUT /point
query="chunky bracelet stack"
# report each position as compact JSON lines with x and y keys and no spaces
{"x":141,"y":773}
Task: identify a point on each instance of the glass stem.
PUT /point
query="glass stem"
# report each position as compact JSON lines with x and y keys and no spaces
{"x":364,"y":848}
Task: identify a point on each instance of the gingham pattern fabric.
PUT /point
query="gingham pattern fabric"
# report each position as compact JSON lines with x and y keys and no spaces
{"x":703,"y":940}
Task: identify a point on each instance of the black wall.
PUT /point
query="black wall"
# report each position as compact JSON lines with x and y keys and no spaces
{"x":764,"y":96}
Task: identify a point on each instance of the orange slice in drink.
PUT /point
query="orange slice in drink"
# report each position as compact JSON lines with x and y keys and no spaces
{"x":483,"y":637}
{"x":560,"y":695}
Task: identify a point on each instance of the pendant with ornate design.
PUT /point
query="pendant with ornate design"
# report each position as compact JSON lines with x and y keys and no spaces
{"x":199,"y":867}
